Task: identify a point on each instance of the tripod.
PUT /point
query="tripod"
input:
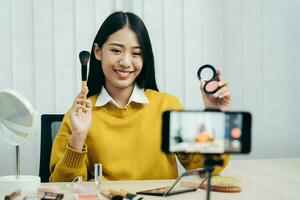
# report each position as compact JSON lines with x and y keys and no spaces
{"x":211,"y":160}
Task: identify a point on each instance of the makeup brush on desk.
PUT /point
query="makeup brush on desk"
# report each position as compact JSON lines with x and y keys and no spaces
{"x":125,"y":194}
{"x":84,"y":57}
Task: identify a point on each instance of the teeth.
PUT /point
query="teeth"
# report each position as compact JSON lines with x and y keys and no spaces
{"x":123,"y":74}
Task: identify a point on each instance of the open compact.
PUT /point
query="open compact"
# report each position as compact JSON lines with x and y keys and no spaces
{"x":209,"y":74}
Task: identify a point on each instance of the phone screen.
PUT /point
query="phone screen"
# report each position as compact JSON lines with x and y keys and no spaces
{"x":205,"y":132}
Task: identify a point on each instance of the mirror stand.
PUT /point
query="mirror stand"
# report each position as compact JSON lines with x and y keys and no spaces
{"x":18,"y":161}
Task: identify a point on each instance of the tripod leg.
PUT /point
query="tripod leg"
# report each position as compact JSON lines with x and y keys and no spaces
{"x":208,"y":189}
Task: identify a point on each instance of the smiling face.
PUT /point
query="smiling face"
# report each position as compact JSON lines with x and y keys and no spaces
{"x":121,"y":58}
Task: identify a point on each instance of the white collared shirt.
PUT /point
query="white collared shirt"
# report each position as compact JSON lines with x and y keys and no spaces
{"x":137,"y":96}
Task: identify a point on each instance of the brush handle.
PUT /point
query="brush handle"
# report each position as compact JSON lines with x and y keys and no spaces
{"x":221,"y":189}
{"x":106,"y":194}
{"x":122,"y":193}
{"x":83,"y":86}
{"x":83,"y":72}
{"x":117,"y":192}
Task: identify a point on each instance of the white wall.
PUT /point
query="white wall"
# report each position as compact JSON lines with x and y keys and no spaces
{"x":254,"y":42}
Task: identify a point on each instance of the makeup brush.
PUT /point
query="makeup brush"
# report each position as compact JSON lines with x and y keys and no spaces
{"x":84,"y":57}
{"x":125,"y":194}
{"x":110,"y":196}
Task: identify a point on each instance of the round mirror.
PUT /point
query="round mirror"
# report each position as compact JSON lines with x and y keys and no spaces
{"x":206,"y":73}
{"x":18,"y":119}
{"x":18,"y":123}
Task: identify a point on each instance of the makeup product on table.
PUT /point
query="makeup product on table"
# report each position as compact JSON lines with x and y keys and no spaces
{"x":84,"y":57}
{"x":78,"y":186}
{"x":98,"y":175}
{"x":208,"y":74}
{"x":125,"y":194}
{"x":176,"y":187}
{"x":13,"y":195}
{"x":87,"y":197}
{"x":110,"y":196}
{"x":52,"y":196}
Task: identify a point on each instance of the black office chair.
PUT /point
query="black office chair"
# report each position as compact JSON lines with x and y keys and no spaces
{"x":50,"y":126}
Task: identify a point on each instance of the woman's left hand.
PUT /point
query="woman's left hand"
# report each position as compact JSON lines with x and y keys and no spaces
{"x":219,"y":100}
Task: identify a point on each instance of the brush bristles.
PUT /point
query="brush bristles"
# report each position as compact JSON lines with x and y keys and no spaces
{"x":84,"y":57}
{"x":225,"y":181}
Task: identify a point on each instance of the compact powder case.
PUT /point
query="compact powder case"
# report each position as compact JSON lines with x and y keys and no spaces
{"x":209,"y":74}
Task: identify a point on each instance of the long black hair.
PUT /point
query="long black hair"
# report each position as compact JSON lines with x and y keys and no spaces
{"x":113,"y":23}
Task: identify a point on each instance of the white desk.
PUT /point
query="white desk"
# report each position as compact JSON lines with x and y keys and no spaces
{"x":261,"y":179}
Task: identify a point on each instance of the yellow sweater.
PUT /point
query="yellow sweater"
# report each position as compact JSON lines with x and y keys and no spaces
{"x":127,"y":142}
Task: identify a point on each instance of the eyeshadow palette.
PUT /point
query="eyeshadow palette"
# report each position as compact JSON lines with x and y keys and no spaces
{"x":208,"y":74}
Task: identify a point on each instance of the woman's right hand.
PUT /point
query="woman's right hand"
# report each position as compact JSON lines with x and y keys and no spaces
{"x":81,"y":117}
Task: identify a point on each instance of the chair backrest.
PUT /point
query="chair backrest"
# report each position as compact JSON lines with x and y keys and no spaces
{"x":49,"y":128}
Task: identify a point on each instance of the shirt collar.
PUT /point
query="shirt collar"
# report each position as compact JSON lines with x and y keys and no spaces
{"x":137,"y":96}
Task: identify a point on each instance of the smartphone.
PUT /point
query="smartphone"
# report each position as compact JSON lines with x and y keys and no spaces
{"x":206,"y":132}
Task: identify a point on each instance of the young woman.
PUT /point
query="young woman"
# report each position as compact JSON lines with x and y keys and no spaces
{"x":119,"y":124}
